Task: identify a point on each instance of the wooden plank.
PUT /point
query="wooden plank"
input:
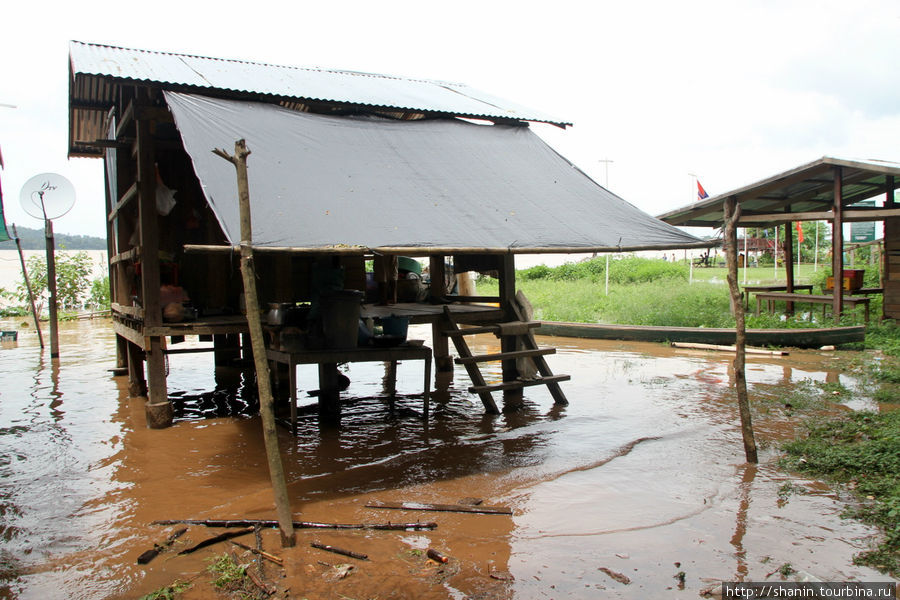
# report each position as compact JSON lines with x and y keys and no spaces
{"x":460,"y":508}
{"x":462,"y":348}
{"x":495,"y":329}
{"x":505,"y":355}
{"x":470,"y":331}
{"x":135,"y":312}
{"x":129,"y":195}
{"x":518,"y":383}
{"x":528,"y":341}
{"x":129,"y":334}
{"x":130,"y":255}
{"x":720,"y":348}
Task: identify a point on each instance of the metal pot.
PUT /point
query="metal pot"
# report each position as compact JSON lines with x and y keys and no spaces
{"x":277,"y":313}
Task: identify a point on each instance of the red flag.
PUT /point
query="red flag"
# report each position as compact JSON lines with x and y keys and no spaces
{"x":701,"y":193}
{"x":799,"y":233}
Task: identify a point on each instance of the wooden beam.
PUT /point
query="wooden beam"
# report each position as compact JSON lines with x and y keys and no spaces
{"x":126,"y":120}
{"x":848,"y":215}
{"x":130,"y":255}
{"x":128,"y":333}
{"x":447,"y":250}
{"x":123,"y":144}
{"x":837,"y":245}
{"x":129,"y":195}
{"x":135,"y":312}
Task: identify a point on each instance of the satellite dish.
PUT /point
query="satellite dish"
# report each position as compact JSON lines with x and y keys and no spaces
{"x":47,"y":196}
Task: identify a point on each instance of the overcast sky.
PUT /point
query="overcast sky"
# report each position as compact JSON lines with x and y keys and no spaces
{"x":730,"y":91}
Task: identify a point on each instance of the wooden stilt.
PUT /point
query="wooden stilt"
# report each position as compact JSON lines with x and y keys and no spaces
{"x":732,"y":214}
{"x":121,"y":353}
{"x":158,"y":409}
{"x":226,"y":349}
{"x":512,"y":398}
{"x":137,"y":385}
{"x":440,"y":345}
{"x":329,"y":395}
{"x":266,"y":408}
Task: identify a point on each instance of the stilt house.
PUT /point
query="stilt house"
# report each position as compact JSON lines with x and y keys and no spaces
{"x":344,"y":166}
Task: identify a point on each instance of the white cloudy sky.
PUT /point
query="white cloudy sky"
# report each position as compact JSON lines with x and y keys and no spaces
{"x":731,"y":91}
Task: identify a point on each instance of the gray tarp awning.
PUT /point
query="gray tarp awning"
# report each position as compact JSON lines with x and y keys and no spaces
{"x":318,"y":181}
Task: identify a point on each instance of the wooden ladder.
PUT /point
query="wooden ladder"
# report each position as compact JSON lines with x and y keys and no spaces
{"x":524,"y":332}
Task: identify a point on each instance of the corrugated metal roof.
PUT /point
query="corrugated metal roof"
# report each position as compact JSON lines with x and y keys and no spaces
{"x":326,"y":85}
{"x":806,"y":188}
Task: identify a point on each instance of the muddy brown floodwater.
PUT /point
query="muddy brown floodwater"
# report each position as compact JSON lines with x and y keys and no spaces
{"x":639,"y":483}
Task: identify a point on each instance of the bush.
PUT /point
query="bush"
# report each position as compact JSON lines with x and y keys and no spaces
{"x":99,"y":297}
{"x":627,"y":269}
{"x":634,"y":269}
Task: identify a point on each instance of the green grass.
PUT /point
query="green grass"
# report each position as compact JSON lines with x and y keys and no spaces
{"x":169,"y":592}
{"x":862,"y":451}
{"x":646,"y":291}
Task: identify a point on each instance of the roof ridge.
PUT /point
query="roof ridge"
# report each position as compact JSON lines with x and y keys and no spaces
{"x":266,"y":64}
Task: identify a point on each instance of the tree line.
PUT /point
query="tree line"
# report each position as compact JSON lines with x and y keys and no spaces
{"x":33,"y":239}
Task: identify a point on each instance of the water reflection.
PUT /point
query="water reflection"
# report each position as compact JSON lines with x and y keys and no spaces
{"x":740,"y":530}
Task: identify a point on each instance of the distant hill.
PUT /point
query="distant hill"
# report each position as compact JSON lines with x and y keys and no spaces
{"x":33,"y":239}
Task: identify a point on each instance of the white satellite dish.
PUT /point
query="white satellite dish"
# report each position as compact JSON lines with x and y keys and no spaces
{"x":47,"y":196}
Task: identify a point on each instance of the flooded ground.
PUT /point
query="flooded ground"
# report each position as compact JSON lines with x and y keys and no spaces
{"x":637,"y":489}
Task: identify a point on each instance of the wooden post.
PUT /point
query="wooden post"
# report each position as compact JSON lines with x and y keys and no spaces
{"x":789,"y":263}
{"x":266,"y":410}
{"x":51,"y":285}
{"x":37,"y":323}
{"x":440,"y":344}
{"x":158,"y":409}
{"x":137,"y":384}
{"x":888,"y":293}
{"x":732,"y":214}
{"x":511,"y":398}
{"x":837,"y":246}
{"x":329,"y":395}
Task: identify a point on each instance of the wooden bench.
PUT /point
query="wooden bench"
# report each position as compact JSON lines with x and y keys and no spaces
{"x":771,"y":297}
{"x":746,"y":290}
{"x":328,"y":360}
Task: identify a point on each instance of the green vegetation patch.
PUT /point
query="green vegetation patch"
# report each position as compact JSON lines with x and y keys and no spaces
{"x":862,"y":451}
{"x":170,"y":592}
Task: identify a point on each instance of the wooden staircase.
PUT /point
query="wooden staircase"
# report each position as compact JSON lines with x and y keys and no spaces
{"x":519,"y":330}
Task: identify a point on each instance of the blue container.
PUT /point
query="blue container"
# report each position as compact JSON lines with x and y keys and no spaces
{"x":395,"y":326}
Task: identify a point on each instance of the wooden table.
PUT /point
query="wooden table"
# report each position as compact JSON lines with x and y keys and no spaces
{"x":329,"y":359}
{"x":771,"y":297}
{"x":746,"y":290}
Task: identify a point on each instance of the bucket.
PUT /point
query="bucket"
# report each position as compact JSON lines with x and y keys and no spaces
{"x":340,"y":318}
{"x":395,"y":326}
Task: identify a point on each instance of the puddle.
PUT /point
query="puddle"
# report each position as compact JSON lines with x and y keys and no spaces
{"x":644,"y":469}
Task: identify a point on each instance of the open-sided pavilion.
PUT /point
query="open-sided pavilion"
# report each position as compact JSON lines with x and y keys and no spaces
{"x":827,"y":189}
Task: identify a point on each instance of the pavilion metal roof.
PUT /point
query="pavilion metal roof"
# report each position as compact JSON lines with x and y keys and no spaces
{"x":96,"y":70}
{"x":805,"y":193}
